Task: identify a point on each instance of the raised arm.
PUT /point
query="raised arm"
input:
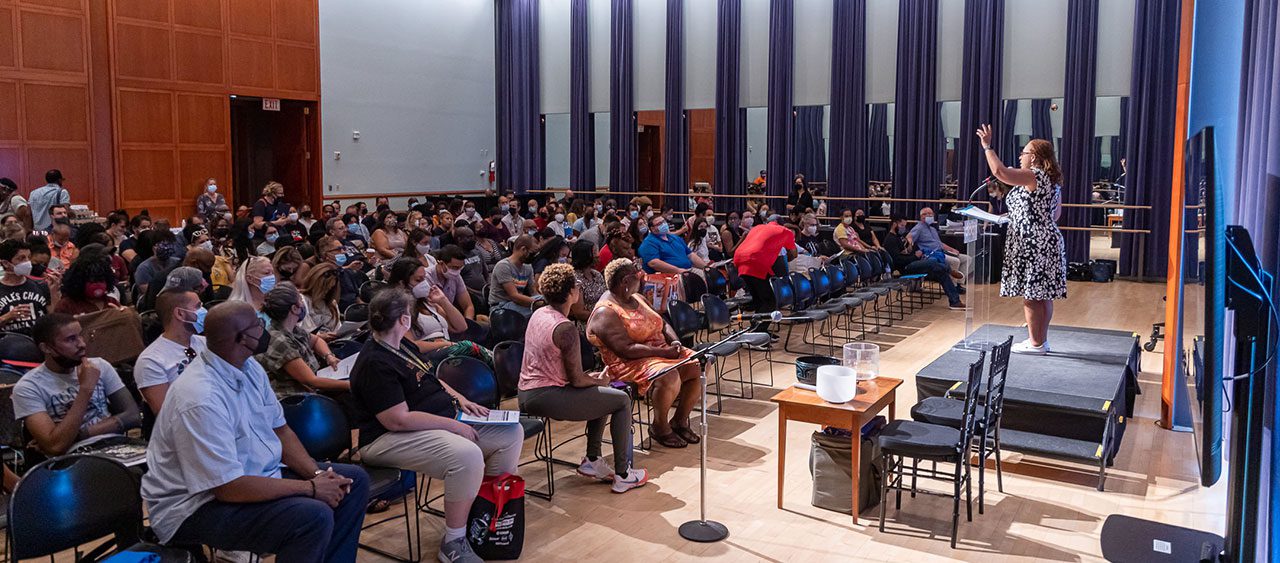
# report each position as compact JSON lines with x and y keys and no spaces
{"x":1008,"y":175}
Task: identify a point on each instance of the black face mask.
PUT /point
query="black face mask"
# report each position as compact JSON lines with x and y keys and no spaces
{"x":62,"y":221}
{"x":264,"y":342}
{"x":469,"y":245}
{"x":37,"y":270}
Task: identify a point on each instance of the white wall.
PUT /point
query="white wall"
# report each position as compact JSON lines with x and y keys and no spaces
{"x":882,"y":50}
{"x":556,"y":148}
{"x":553,"y":56}
{"x":598,"y":34}
{"x":1115,"y":47}
{"x":417,"y":81}
{"x":1035,"y":48}
{"x":950,"y":49}
{"x":754,"y":75}
{"x":812,"y":53}
{"x":700,"y":42}
{"x":649,"y":59}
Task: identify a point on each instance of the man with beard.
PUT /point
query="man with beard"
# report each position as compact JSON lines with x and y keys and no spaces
{"x":69,"y":397}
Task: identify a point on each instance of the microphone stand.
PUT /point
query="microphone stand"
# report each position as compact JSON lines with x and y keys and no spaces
{"x":703,"y":530}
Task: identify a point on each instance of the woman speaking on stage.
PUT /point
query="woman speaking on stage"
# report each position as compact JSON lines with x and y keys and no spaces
{"x":1035,"y":266}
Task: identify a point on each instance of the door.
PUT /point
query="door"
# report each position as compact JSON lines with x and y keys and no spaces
{"x":274,"y":146}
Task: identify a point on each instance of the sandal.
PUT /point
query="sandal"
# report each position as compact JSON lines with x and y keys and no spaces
{"x":672,"y":440}
{"x":377,"y":506}
{"x":687,"y":434}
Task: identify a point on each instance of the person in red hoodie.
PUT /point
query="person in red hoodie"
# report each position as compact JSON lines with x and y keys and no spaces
{"x":755,"y":257}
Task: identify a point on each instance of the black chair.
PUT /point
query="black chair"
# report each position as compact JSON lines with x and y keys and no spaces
{"x":505,"y":324}
{"x":717,"y":283}
{"x":950,"y":412}
{"x":356,"y":313}
{"x":508,"y":356}
{"x":367,"y":289}
{"x":735,"y":284}
{"x":475,"y":381}
{"x":796,"y":293}
{"x":19,"y":351}
{"x":718,"y":321}
{"x":322,"y":429}
{"x":686,"y":323}
{"x":902,"y":439}
{"x":71,"y":500}
{"x":694,"y":287}
{"x":344,"y":348}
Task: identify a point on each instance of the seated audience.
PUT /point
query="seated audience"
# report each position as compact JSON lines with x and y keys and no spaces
{"x":138,"y":225}
{"x":438,"y":328}
{"x":389,"y":238}
{"x":61,"y":247}
{"x":254,"y":278}
{"x":23,"y":300}
{"x":320,"y":292}
{"x":910,"y":261}
{"x":164,"y":360}
{"x":554,"y":250}
{"x":162,"y":259}
{"x":226,"y":471}
{"x":293,"y":355}
{"x":588,"y":280}
{"x":289,"y":265}
{"x":864,"y":232}
{"x":636,"y":344}
{"x":350,"y":269}
{"x":924,"y":236}
{"x":446,"y":274}
{"x":407,"y":420}
{"x":70,"y":397}
{"x":665,"y":252}
{"x":88,"y":283}
{"x":509,"y":284}
{"x":552,"y":383}
{"x":418,"y":247}
{"x":808,"y":247}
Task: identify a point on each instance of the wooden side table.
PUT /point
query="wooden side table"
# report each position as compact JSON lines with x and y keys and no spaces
{"x":803,"y":405}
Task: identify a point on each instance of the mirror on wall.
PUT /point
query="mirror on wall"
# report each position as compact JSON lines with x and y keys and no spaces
{"x":601,"y":119}
{"x":555,"y":149}
{"x":1108,"y":191}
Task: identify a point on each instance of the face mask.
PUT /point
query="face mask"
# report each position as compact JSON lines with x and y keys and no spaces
{"x":559,"y":217}
{"x":38,"y":270}
{"x":533,"y":232}
{"x":847,"y":220}
{"x":353,"y":228}
{"x":198,"y":325}
{"x":62,"y":221}
{"x":648,"y":214}
{"x":340,"y":259}
{"x":207,"y":245}
{"x":504,"y":208}
{"x":644,"y":229}
{"x":212,"y":189}
{"x":929,"y":220}
{"x":164,"y":252}
{"x":599,"y":209}
{"x":711,"y":219}
{"x":423,"y":289}
{"x":95,"y":290}
{"x":664,"y":229}
{"x":267,"y":283}
{"x":533,"y":208}
{"x":264,"y":343}
{"x":22,"y":268}
{"x":747,"y":222}
{"x":635,"y":214}
{"x":859,"y":218}
{"x":302,"y":312}
{"x":272,"y":238}
{"x":562,"y":260}
{"x":471,"y":211}
{"x":455,"y":272}
{"x":293,"y":216}
{"x":811,"y":230}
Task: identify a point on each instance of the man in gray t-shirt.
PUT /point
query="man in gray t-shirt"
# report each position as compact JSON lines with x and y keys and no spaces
{"x":509,"y":283}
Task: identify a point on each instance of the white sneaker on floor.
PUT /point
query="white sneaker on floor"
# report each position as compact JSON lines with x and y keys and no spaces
{"x":458,"y":551}
{"x":634,"y":478}
{"x":1026,"y":347}
{"x":597,"y":469}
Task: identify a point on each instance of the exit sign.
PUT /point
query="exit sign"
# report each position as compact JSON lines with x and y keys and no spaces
{"x":271,"y":104}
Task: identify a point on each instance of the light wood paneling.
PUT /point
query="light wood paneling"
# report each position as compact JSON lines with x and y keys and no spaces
{"x":151,"y":174}
{"x":292,"y":19}
{"x":202,"y":120}
{"x":39,"y":49}
{"x":251,"y":17}
{"x":11,"y":162}
{"x":205,"y":14}
{"x":9,"y":130}
{"x":8,"y":38}
{"x":146,"y":116}
{"x":143,"y":52}
{"x":64,"y":4}
{"x":75,"y":164}
{"x":150,"y":10}
{"x":295,"y":68}
{"x":251,"y":63}
{"x":196,"y":166}
{"x":199,"y":57}
{"x":56,"y":112}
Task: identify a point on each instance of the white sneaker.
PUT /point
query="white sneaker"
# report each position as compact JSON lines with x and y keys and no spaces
{"x":634,"y":478}
{"x":1026,"y":347}
{"x":458,"y":551}
{"x":597,"y":469}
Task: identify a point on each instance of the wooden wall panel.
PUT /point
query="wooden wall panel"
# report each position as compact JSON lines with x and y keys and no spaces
{"x":8,"y":35}
{"x":252,"y":63}
{"x":206,"y":14}
{"x":196,"y":166}
{"x":198,"y":57}
{"x":251,"y":17}
{"x":151,"y":174}
{"x":150,"y":10}
{"x":143,"y":52}
{"x":76,"y":166}
{"x":11,"y":162}
{"x":202,"y":120}
{"x":9,"y":130}
{"x":293,"y":19}
{"x":294,"y":68}
{"x":56,"y":112}
{"x":64,"y":4}
{"x":40,"y":52}
{"x":145,"y":117}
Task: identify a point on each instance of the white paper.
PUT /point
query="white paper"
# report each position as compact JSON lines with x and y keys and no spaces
{"x":981,"y":215}
{"x":344,"y":369}
{"x":495,"y":417}
{"x":347,"y":329}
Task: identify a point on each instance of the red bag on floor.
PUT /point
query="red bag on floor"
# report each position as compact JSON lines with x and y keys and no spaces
{"x":495,"y":527}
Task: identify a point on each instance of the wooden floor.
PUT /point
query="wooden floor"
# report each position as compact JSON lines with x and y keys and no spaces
{"x":1050,"y":511}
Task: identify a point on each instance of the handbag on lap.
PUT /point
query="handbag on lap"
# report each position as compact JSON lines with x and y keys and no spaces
{"x":495,"y":527}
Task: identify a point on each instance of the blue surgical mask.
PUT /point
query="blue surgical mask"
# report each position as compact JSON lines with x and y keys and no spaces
{"x":267,"y":283}
{"x":353,"y":228}
{"x":273,"y":237}
{"x":664,"y":229}
{"x":341,"y":259}
{"x":635,"y":214}
{"x":199,"y":324}
{"x":929,"y":220}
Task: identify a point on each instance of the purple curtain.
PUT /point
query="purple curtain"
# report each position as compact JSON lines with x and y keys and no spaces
{"x":1079,"y":105}
{"x":1151,"y":139}
{"x":980,"y":97}
{"x":675,"y":163}
{"x":1007,"y":141}
{"x":878,"y":165}
{"x":1100,"y":172}
{"x":622,"y":108}
{"x":1257,"y":206}
{"x":519,"y":119}
{"x":810,"y":146}
{"x":1041,"y":123}
{"x":582,"y":128}
{"x":731,"y":131}
{"x":849,"y":143}
{"x":915,"y":111}
{"x":781,"y":134}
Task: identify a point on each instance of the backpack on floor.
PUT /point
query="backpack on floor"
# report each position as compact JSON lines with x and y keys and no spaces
{"x":495,"y":527}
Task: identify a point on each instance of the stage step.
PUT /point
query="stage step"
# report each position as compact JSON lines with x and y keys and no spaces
{"x":1055,"y":447}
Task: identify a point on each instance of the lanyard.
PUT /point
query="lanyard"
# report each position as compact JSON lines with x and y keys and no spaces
{"x":412,"y":359}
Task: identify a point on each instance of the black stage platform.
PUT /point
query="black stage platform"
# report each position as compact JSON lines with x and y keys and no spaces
{"x":1072,"y":403}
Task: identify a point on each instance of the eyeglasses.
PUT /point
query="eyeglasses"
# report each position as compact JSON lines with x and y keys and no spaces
{"x":191,"y":355}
